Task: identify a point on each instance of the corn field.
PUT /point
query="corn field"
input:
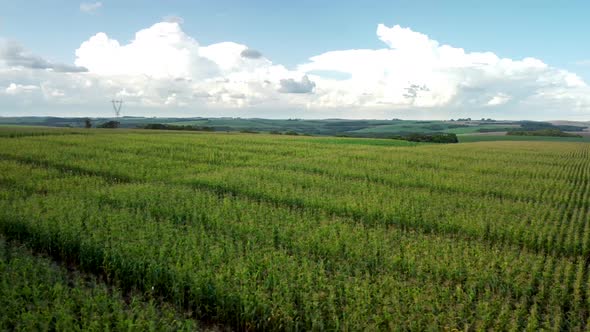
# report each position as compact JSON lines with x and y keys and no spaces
{"x":263,"y":232}
{"x":39,"y":295}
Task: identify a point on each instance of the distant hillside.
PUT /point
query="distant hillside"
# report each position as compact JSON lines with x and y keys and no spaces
{"x":326,"y":127}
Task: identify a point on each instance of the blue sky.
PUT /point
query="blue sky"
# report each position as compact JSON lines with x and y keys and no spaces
{"x":556,"y":32}
{"x":290,"y":32}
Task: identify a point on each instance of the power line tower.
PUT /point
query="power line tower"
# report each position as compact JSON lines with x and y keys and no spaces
{"x":117,"y":105}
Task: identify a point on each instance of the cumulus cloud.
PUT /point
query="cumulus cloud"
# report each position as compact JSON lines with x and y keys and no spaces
{"x":163,"y":66}
{"x":292,"y":86}
{"x":90,"y":7}
{"x":14,"y":55}
{"x":161,"y":51}
{"x":251,"y":54}
{"x":173,"y":19}
{"x":14,"y":89}
{"x":415,"y":71}
{"x":413,"y":90}
{"x":163,"y":69}
{"x":499,"y":99}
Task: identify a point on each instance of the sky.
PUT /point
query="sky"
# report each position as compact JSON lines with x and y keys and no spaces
{"x":297,"y":59}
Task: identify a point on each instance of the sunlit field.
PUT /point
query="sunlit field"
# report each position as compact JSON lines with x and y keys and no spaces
{"x":269,"y":232}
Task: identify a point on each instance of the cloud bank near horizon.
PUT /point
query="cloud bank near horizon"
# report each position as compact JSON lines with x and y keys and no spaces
{"x":163,"y":71}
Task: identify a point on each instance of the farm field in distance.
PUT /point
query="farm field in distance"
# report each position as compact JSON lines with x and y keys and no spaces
{"x":326,"y":127}
{"x":273,"y":232}
{"x":488,"y":138}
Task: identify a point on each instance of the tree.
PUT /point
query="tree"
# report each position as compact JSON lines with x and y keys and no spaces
{"x":87,"y":123}
{"x":110,"y":124}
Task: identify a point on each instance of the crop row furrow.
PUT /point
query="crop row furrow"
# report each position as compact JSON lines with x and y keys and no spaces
{"x":282,"y":233}
{"x":69,"y":243}
{"x":373,"y":219}
{"x":193,"y":150}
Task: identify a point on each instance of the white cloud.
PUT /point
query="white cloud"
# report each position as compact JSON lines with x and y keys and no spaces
{"x":164,"y":66}
{"x":163,"y":70}
{"x":14,"y":55}
{"x":90,"y":7}
{"x":15,"y":89}
{"x":161,"y":51}
{"x":173,"y":19}
{"x":499,"y":99}
{"x":251,"y":54}
{"x":292,"y":86}
{"x":448,"y":78}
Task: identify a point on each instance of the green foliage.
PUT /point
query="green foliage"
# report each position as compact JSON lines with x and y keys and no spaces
{"x":539,"y":126}
{"x":542,"y":132}
{"x":109,"y":124}
{"x":425,"y":138}
{"x":261,"y":232}
{"x":160,"y":126}
{"x":432,"y":138}
{"x":39,"y":295}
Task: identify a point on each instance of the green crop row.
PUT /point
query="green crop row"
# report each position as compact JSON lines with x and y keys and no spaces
{"x":423,"y":188}
{"x":38,"y":295}
{"x":260,"y":232}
